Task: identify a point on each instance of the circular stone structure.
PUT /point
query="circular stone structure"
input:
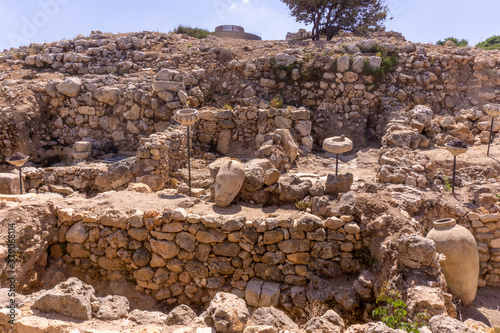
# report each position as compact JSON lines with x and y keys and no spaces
{"x":187,"y":117}
{"x":337,"y":144}
{"x":493,"y":110}
{"x":461,"y":265}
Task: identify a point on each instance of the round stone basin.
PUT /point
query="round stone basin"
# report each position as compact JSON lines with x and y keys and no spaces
{"x":19,"y":163}
{"x":187,"y":117}
{"x":337,"y":144}
{"x":492,"y":110}
{"x":455,"y":151}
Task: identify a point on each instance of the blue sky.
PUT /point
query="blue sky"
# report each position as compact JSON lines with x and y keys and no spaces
{"x":26,"y":21}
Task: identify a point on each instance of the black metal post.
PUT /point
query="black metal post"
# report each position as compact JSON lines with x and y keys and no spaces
{"x":337,"y":166}
{"x":189,"y":161}
{"x":21,"y":179}
{"x":491,"y":135}
{"x":454,"y":168}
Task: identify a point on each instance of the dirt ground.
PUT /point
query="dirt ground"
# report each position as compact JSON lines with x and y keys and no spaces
{"x":485,"y":308}
{"x":363,"y":164}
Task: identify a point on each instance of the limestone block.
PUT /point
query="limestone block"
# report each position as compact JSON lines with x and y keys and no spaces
{"x":270,"y":294}
{"x":82,"y":146}
{"x":9,"y":183}
{"x":253,"y":291}
{"x":343,"y":63}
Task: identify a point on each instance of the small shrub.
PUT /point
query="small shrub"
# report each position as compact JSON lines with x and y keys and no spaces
{"x":388,"y":64}
{"x":277,"y":102}
{"x":458,"y":42}
{"x":272,"y":61}
{"x":392,"y":311}
{"x":193,"y":32}
{"x":364,"y":256}
{"x":227,"y":107}
{"x":303,"y":205}
{"x":314,"y":309}
{"x":447,"y":184}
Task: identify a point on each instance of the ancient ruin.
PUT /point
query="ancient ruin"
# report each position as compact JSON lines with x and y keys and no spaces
{"x":118,"y":230}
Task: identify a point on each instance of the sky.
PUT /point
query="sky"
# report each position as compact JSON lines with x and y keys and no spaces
{"x":37,"y":21}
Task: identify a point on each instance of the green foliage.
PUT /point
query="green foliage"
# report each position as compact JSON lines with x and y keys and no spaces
{"x":392,"y":311}
{"x":388,"y":64}
{"x":458,"y":42}
{"x":64,"y":248}
{"x":277,"y":102}
{"x":303,"y":205}
{"x":498,"y":196}
{"x":227,"y":107}
{"x":364,"y":256}
{"x":193,"y":32}
{"x":447,"y":184}
{"x":272,"y":61}
{"x":333,"y":16}
{"x":492,"y":43}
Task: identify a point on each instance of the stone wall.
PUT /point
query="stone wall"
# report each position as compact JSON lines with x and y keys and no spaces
{"x":350,"y":85}
{"x":186,"y":258}
{"x":485,"y":227}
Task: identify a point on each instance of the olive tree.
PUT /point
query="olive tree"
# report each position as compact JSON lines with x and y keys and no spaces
{"x":332,"y":16}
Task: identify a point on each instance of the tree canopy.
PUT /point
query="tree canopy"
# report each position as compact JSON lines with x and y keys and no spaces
{"x":332,"y":16}
{"x":458,"y":42}
{"x":492,"y":43}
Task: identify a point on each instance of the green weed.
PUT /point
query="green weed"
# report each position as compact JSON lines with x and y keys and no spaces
{"x":392,"y":311}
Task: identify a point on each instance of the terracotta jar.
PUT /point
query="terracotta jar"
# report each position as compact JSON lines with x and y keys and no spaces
{"x":228,"y":182}
{"x":461,"y":266}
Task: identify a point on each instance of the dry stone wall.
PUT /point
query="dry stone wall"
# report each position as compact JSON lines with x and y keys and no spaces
{"x":182,"y":257}
{"x":486,"y":230}
{"x":351,"y":85}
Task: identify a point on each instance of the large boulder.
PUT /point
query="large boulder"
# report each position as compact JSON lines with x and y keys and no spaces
{"x":108,"y":95}
{"x":338,"y":184}
{"x":70,"y":87}
{"x":272,"y":317}
{"x":112,"y":307}
{"x":426,"y":299}
{"x":228,"y":313}
{"x":291,"y":147}
{"x":415,"y":250}
{"x":118,"y":174}
{"x":181,"y":315}
{"x":421,"y":117}
{"x":254,"y":177}
{"x":228,"y":182}
{"x":329,"y":322}
{"x":147,"y":317}
{"x":293,"y":188}
{"x":377,"y":327}
{"x":445,"y":324}
{"x":405,"y":138}
{"x":71,"y":298}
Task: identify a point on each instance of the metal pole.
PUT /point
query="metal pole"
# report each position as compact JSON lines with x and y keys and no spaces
{"x":454,"y":167}
{"x":189,"y":161}
{"x":21,"y":179}
{"x":491,"y":135}
{"x":337,"y":166}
